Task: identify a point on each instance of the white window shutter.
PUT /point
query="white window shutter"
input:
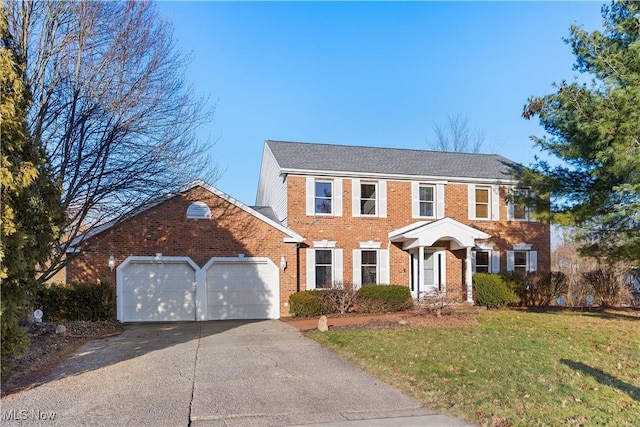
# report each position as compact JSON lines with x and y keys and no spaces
{"x":510,"y":261}
{"x":311,"y":196}
{"x":472,"y":201}
{"x":382,"y":199}
{"x":415,"y":199}
{"x":337,"y":197}
{"x":355,"y":197}
{"x":495,"y":261}
{"x":357,"y":266}
{"x":495,"y":202}
{"x":311,"y":268}
{"x":533,"y":261}
{"x":338,"y":266}
{"x":439,"y":201}
{"x":383,"y":259}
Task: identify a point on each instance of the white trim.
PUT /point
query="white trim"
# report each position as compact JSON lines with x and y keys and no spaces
{"x":355,"y":198}
{"x":383,"y":267}
{"x":494,"y":203}
{"x":522,"y":247}
{"x":370,"y":245}
{"x":310,"y":196}
{"x":337,"y":197}
{"x":532,"y":261}
{"x":397,"y":177}
{"x":415,"y":199}
{"x":381,"y":199}
{"x":495,"y":261}
{"x":338,"y":265}
{"x":357,"y":267}
{"x":440,"y":205}
{"x":311,"y":268}
{"x":324,"y":244}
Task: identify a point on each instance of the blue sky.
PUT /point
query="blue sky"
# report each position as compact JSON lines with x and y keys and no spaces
{"x":370,"y":73}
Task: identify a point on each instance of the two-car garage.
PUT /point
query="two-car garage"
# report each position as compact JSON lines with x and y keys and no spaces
{"x":176,"y":289}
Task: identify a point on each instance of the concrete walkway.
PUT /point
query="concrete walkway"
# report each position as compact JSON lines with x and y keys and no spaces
{"x":213,"y":374}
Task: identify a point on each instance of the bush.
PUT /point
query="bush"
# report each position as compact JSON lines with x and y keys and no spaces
{"x":539,"y":289}
{"x":492,"y":290}
{"x":77,"y":301}
{"x":608,"y":287}
{"x":384,"y":298}
{"x":307,"y":304}
{"x":340,"y":298}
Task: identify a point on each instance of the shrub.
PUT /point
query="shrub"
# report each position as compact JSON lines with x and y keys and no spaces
{"x":307,"y":304}
{"x":437,"y":303}
{"x":539,"y":289}
{"x":384,"y":298}
{"x":77,"y":301}
{"x":492,"y":290}
{"x":340,"y":298}
{"x":608,"y":287}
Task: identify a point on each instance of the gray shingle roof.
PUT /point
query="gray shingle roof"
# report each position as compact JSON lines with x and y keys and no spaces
{"x":393,"y":161}
{"x":266,"y":211}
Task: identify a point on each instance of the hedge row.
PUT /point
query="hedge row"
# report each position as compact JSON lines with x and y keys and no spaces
{"x":77,"y":301}
{"x":369,"y":299}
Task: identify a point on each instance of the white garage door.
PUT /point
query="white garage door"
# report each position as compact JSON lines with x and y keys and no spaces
{"x":158,"y":292}
{"x":242,"y":290}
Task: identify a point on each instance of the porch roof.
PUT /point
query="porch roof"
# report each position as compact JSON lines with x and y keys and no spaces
{"x":423,"y":233}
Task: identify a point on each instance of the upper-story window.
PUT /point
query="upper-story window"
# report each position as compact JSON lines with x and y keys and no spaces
{"x":323,"y":197}
{"x":483,"y":202}
{"x":427,"y":200}
{"x":369,"y":198}
{"x":517,"y":209}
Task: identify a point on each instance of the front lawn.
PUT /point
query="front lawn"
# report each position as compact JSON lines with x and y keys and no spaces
{"x":520,"y":368}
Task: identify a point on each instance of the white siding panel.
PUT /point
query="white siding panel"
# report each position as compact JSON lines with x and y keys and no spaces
{"x":272,"y":188}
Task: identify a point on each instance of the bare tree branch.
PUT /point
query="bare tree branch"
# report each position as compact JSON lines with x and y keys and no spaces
{"x":457,"y":136}
{"x":110,"y":105}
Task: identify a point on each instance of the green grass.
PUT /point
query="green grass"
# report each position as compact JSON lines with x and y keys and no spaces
{"x":516,"y":368}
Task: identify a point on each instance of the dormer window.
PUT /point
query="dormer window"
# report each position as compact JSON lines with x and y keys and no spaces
{"x":198,"y":210}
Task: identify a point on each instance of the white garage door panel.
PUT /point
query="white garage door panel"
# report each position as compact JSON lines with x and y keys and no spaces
{"x":158,"y":292}
{"x":242,"y":290}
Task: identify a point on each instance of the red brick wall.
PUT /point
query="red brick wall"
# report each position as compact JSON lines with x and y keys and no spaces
{"x":348,"y":231}
{"x":165,"y":229}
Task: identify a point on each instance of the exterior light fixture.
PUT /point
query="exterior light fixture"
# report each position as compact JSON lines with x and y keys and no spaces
{"x":112,"y":262}
{"x":283,"y":262}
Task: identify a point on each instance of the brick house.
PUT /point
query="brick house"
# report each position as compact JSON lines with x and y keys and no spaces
{"x":423,"y":219}
{"x":325,"y":214}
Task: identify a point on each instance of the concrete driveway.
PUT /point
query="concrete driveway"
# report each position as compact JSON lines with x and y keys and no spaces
{"x":227,"y":373}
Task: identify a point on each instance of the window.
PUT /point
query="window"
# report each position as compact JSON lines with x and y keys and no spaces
{"x":482,"y":261}
{"x":520,"y":261}
{"x":198,"y":210}
{"x":518,"y":211}
{"x":368,"y":195}
{"x":426,"y":200}
{"x":323,"y":197}
{"x":482,"y":202}
{"x":369,"y":267}
{"x":324,"y":268}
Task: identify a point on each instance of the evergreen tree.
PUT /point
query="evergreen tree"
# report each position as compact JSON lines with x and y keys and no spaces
{"x":594,"y":130}
{"x":30,"y":201}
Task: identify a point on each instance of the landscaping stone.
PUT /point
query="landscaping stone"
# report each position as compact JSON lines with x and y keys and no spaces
{"x":322,"y":324}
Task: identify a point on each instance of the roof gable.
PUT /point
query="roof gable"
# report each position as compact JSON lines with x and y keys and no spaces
{"x":300,"y":157}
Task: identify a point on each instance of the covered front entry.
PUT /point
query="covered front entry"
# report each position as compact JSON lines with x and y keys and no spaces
{"x":428,"y":244}
{"x":428,"y":271}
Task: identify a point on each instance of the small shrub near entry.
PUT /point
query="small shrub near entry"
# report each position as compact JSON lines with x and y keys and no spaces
{"x":384,"y":298}
{"x":307,"y":304}
{"x":492,"y":291}
{"x":340,"y":298}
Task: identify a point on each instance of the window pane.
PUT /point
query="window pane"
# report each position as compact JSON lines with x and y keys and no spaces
{"x":426,"y":194}
{"x":519,"y":211}
{"x":369,"y":257}
{"x":482,"y":211}
{"x":520,"y":258}
{"x":482,"y":195}
{"x":426,"y":209}
{"x":323,"y":206}
{"x":323,"y":276}
{"x":482,"y":258}
{"x":369,"y":275}
{"x":368,"y":191}
{"x":323,"y":189}
{"x":367,"y":207}
{"x":323,"y":257}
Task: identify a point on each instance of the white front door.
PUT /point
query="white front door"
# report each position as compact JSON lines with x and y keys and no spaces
{"x":428,"y":273}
